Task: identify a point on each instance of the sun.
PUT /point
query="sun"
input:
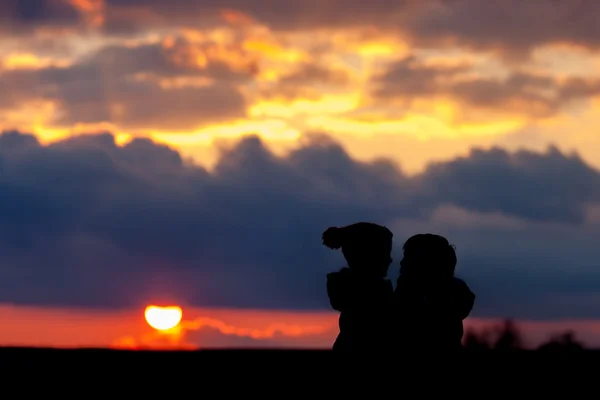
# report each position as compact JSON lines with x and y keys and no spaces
{"x":163,"y":318}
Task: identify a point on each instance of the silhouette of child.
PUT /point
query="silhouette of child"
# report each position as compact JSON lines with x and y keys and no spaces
{"x":431,"y":303}
{"x":360,"y":291}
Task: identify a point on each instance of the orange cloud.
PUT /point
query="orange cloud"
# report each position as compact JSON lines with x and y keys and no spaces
{"x":264,"y":333}
{"x":177,"y":338}
{"x":93,"y":10}
{"x":235,"y":17}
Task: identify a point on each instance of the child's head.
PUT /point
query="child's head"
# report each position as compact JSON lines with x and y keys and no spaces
{"x":428,"y":257}
{"x":366,"y":246}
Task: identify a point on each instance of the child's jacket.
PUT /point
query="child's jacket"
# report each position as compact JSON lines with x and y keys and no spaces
{"x":433,"y":321}
{"x":364,"y":304}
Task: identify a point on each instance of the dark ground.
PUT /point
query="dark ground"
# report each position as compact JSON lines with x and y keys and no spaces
{"x":158,"y":358}
{"x":99,"y":354}
{"x":83,"y":372}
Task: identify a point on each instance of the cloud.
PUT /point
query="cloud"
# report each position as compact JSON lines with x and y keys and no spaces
{"x":177,"y":56}
{"x":292,"y":15}
{"x":523,"y":184}
{"x":203,"y":80}
{"x":518,"y":93}
{"x":512,"y":27}
{"x":137,"y":87}
{"x":86,"y":222}
{"x":308,"y":80}
{"x":206,"y":332}
{"x":21,"y":16}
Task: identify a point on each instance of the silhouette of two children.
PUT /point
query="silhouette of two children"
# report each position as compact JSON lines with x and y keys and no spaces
{"x":424,"y":312}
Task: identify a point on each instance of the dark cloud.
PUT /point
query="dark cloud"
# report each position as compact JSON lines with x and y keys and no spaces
{"x":17,"y":16}
{"x":294,"y":14}
{"x":126,"y":86}
{"x":409,"y":77}
{"x":314,"y":73}
{"x":85,"y":222}
{"x":520,"y":92}
{"x":308,"y":80}
{"x":512,"y":26}
{"x":523,"y":184}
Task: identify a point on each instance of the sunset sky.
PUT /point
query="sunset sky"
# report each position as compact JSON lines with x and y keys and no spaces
{"x":191,"y":152}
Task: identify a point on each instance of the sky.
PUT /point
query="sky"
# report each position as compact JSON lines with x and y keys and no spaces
{"x":192,"y":152}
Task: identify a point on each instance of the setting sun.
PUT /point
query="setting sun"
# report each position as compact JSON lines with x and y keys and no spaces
{"x":163,"y":318}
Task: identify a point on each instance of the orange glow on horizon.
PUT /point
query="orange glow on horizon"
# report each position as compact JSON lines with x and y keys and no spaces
{"x":211,"y":328}
{"x":163,"y":318}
